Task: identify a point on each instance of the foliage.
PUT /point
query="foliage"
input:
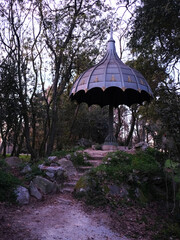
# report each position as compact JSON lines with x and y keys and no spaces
{"x":145,"y":163}
{"x":8,"y":184}
{"x":169,"y":230}
{"x":155,"y":30}
{"x":154,"y":37}
{"x":138,"y":171}
{"x":3,"y":164}
{"x":167,"y":108}
{"x":35,"y":172}
{"x":25,"y":157}
{"x":142,"y":162}
{"x":80,"y":159}
{"x":65,"y":151}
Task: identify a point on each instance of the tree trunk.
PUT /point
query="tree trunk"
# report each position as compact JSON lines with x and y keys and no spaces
{"x":133,"y":120}
{"x":74,"y":120}
{"x":54,"y":111}
{"x":119,"y":124}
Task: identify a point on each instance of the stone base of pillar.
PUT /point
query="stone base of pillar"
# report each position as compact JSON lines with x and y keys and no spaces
{"x":106,"y":147}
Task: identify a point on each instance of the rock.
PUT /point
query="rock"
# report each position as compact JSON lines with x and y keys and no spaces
{"x":121,"y":191}
{"x":53,"y":164}
{"x":51,"y":175}
{"x":67,"y":165}
{"x":34,"y":191}
{"x":141,"y":145}
{"x":68,"y":157}
{"x":52,"y":158}
{"x":60,"y":176}
{"x":26,"y":169}
{"x":55,"y":172}
{"x":13,"y":161}
{"x":44,"y":185}
{"x":114,"y":190}
{"x":84,"y":142}
{"x":22,"y":195}
{"x":52,"y":169}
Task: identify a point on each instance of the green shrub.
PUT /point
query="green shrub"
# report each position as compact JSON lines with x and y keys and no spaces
{"x":138,"y":171}
{"x":25,"y":157}
{"x":8,"y":184}
{"x":160,"y":157}
{"x":117,"y":158}
{"x":98,"y":146}
{"x":145,"y":163}
{"x":80,"y":159}
{"x":35,"y":172}
{"x":65,"y":151}
{"x":169,"y":231}
{"x":3,"y":164}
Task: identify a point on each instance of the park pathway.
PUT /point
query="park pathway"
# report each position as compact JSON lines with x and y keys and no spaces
{"x":61,"y":217}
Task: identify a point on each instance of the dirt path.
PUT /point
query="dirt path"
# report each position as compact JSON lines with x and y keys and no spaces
{"x":60,"y":217}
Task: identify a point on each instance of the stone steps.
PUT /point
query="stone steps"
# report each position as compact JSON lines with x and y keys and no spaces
{"x":68,"y":190}
{"x":84,"y":168}
{"x":95,"y":160}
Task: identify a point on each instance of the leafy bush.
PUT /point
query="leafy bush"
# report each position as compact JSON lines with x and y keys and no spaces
{"x":35,"y":172}
{"x":25,"y":157}
{"x":145,"y":163}
{"x":8,"y":184}
{"x":66,"y":151}
{"x":169,"y":231}
{"x":138,"y":171}
{"x":80,"y":159}
{"x":3,"y":164}
{"x":160,"y":157}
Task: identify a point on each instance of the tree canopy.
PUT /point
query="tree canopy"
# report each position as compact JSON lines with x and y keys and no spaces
{"x":156,"y":30}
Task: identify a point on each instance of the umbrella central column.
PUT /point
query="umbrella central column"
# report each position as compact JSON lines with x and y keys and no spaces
{"x":110,"y":139}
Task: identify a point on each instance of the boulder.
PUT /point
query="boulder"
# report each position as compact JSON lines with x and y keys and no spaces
{"x":13,"y":161}
{"x":54,"y":164}
{"x":34,"y":191}
{"x":52,"y":158}
{"x":121,"y":191}
{"x":26,"y":169}
{"x":141,"y":146}
{"x":57,"y":173}
{"x":44,"y":185}
{"x":22,"y":194}
{"x":68,"y":157}
{"x":51,"y":169}
{"x":51,"y":175}
{"x":68,"y":166}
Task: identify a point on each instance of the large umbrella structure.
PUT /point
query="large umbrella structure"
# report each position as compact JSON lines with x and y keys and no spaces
{"x":111,"y":82}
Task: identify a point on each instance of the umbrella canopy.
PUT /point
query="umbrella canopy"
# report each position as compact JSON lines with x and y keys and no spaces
{"x":111,"y":82}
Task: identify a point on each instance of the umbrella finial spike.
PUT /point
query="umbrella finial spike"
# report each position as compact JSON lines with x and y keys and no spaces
{"x":111,"y":32}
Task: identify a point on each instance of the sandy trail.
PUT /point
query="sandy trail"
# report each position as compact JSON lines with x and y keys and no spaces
{"x":62,"y":218}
